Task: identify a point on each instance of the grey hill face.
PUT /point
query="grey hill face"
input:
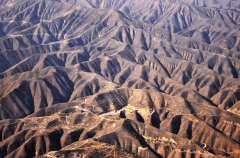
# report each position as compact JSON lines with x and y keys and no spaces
{"x":120,"y":78}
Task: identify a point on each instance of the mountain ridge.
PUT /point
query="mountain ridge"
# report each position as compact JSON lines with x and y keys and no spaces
{"x":131,"y":78}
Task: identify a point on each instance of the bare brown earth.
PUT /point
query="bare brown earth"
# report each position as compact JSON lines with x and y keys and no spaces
{"x":120,"y":78}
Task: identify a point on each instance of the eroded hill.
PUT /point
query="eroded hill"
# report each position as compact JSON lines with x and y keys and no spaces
{"x":119,"y":78}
